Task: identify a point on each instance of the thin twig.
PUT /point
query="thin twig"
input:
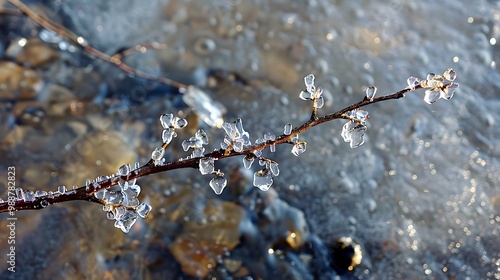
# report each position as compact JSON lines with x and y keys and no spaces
{"x":86,"y":47}
{"x":87,"y":192}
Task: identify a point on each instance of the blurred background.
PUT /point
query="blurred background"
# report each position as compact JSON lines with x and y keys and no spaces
{"x":419,"y":200}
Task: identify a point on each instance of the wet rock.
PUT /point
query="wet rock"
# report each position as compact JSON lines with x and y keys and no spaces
{"x":206,"y":238}
{"x":17,"y":82}
{"x":36,"y":54}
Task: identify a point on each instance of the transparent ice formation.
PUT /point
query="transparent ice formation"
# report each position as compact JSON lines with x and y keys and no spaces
{"x":263,"y":179}
{"x":126,"y":221}
{"x":206,"y":166}
{"x":358,"y":115}
{"x":299,"y":148}
{"x":218,"y":183}
{"x":168,"y":134}
{"x":235,"y":136}
{"x":370,"y":92}
{"x":412,"y":82}
{"x":157,"y":155}
{"x":169,"y":121}
{"x":40,"y":193}
{"x":247,"y":161}
{"x":20,"y":193}
{"x":143,"y":210}
{"x":287,"y":129}
{"x":205,"y":107}
{"x":124,"y":170}
{"x":200,"y":138}
{"x":353,"y":133}
{"x":61,"y":189}
{"x":312,"y":93}
{"x":29,"y":196}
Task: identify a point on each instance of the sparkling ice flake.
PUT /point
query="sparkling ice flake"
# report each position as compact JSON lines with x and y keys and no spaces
{"x":312,"y":93}
{"x":354,"y":132}
{"x":218,"y":183}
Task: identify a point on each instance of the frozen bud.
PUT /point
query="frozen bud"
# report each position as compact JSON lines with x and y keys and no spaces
{"x":319,"y":102}
{"x":168,"y":134}
{"x":218,"y":183}
{"x":299,"y":148}
{"x":268,"y":136}
{"x":143,"y":210}
{"x":450,"y":74}
{"x":206,"y":166}
{"x":370,"y":92}
{"x":431,"y":76}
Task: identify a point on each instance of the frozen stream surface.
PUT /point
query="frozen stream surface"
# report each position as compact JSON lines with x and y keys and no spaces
{"x":421,"y":196}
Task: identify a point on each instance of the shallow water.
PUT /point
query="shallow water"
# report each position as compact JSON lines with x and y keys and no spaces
{"x":420,"y":196}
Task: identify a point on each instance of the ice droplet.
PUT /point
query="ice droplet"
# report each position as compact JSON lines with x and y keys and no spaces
{"x":136,"y":189}
{"x":272,"y":148}
{"x":319,"y":102}
{"x":206,"y":108}
{"x":143,"y":210}
{"x":370,"y":92}
{"x":20,"y":193}
{"x":268,"y":136}
{"x":206,"y":166}
{"x":450,"y":74}
{"x":431,"y":76}
{"x":309,"y":80}
{"x":257,"y":153}
{"x":157,"y":154}
{"x":449,"y":91}
{"x":299,"y":148}
{"x":107,"y":208}
{"x":273,"y":167}
{"x":354,"y":133}
{"x":130,"y":197}
{"x":431,"y":96}
{"x":287,"y":129}
{"x":218,"y":183}
{"x":168,"y":134}
{"x":110,"y":216}
{"x":166,"y":120}
{"x":305,"y":95}
{"x":119,"y":212}
{"x":202,"y":135}
{"x":238,"y":146}
{"x":263,"y":179}
{"x":247,"y":161}
{"x":61,"y":189}
{"x":44,"y":203}
{"x":412,"y":82}
{"x":124,"y":170}
{"x":100,"y":194}
{"x":40,"y":193}
{"x":29,"y":196}
{"x":113,"y":197}
{"x":137,"y":165}
{"x":127,"y":221}
{"x":179,"y":123}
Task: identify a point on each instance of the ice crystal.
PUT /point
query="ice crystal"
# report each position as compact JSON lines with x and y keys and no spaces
{"x":235,"y":136}
{"x":287,"y":130}
{"x":354,"y":132}
{"x":218,"y":183}
{"x":248,"y":160}
{"x":358,"y":115}
{"x":124,"y":170}
{"x":449,"y":90}
{"x":412,"y":82}
{"x":40,"y":193}
{"x":206,"y":166}
{"x":200,"y":138}
{"x":168,"y":134}
{"x":20,"y":193}
{"x":263,"y":179}
{"x":126,"y":221}
{"x":130,"y":197}
{"x":273,"y":167}
{"x":113,"y":197}
{"x":143,"y":210}
{"x":298,"y":148}
{"x":100,"y":194}
{"x":312,"y":93}
{"x":29,"y":196}
{"x":61,"y":189}
{"x":450,"y":74}
{"x":157,"y":155}
{"x":370,"y":92}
